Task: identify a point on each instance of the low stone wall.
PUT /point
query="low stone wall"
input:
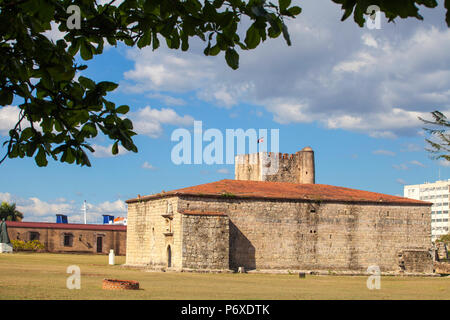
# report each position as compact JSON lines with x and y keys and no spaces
{"x":415,"y":260}
{"x":442,"y":267}
{"x":114,"y":284}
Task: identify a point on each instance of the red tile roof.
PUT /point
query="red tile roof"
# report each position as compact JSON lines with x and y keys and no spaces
{"x":50,"y":225}
{"x":281,"y":191}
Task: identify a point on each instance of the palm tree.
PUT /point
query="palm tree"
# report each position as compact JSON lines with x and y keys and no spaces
{"x":9,"y":212}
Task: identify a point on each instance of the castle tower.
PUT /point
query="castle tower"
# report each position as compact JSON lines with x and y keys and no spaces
{"x":268,"y":166}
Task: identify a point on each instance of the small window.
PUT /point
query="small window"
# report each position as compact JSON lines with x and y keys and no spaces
{"x":34,"y":235}
{"x":68,"y":239}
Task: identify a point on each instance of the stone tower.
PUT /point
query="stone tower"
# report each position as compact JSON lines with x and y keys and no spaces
{"x":269,"y":166}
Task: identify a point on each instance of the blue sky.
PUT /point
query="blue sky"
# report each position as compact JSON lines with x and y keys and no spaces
{"x":351,"y":93}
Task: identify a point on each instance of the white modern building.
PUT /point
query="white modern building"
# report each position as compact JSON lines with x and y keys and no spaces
{"x":438,"y":193}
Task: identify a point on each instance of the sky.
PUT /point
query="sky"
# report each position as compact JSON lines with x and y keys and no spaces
{"x":352,"y":94}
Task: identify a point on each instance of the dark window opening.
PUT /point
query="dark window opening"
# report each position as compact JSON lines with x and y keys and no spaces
{"x":169,"y":257}
{"x":99,"y":244}
{"x":68,"y":240}
{"x":34,"y":236}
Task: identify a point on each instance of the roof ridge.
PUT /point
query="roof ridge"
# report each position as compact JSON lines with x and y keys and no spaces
{"x":282,"y":190}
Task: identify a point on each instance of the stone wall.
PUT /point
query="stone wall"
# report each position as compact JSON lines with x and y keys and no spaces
{"x":81,"y":241}
{"x":269,"y":234}
{"x":154,"y":233}
{"x":263,"y":166}
{"x":205,"y":241}
{"x":442,"y":267}
{"x":412,"y":261}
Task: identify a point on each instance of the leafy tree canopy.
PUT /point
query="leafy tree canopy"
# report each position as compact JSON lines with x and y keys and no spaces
{"x":59,"y":112}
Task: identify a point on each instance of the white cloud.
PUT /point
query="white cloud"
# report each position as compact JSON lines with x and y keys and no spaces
{"x":444,"y":163}
{"x":369,"y":40}
{"x":9,"y":115}
{"x":362,"y":60}
{"x":417,"y":163}
{"x":148,"y":121}
{"x":35,"y":209}
{"x":5,"y":196}
{"x":162,"y":70}
{"x":108,"y":207}
{"x":411,"y":147}
{"x":168,"y":100}
{"x":404,"y":166}
{"x":378,"y":84}
{"x":384,"y":152}
{"x":289,"y":111}
{"x":223,"y":170}
{"x":401,"y":181}
{"x":106,"y":151}
{"x":41,"y":209}
{"x":147,"y":165}
{"x":401,"y":166}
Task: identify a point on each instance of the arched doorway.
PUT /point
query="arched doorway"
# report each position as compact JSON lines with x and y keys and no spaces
{"x":169,"y":257}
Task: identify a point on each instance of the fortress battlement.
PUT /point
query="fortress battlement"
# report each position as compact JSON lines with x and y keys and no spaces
{"x":281,"y":167}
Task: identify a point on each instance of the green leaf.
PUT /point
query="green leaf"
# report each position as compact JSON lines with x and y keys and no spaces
{"x":293,"y":11}
{"x":284,"y":4}
{"x":70,"y":158}
{"x":87,"y":83}
{"x":107,"y":85}
{"x":447,"y":14}
{"x":6,"y":97}
{"x":145,"y":40}
{"x":41,"y":158}
{"x":123,"y":109}
{"x":26,"y":134}
{"x":86,"y":50}
{"x":155,"y":41}
{"x":214,"y":51}
{"x":286,"y":35}
{"x":232,"y":58}
{"x":252,"y":38}
{"x":90,"y":129}
{"x":115,"y":148}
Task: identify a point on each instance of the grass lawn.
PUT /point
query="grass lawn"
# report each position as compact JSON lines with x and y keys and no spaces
{"x":43,"y":276}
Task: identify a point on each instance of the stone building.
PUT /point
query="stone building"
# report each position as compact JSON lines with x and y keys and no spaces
{"x":71,"y":237}
{"x":276,"y":225}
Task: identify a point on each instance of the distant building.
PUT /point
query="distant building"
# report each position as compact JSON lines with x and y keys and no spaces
{"x":120,"y":221}
{"x":71,"y":237}
{"x":438,"y":193}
